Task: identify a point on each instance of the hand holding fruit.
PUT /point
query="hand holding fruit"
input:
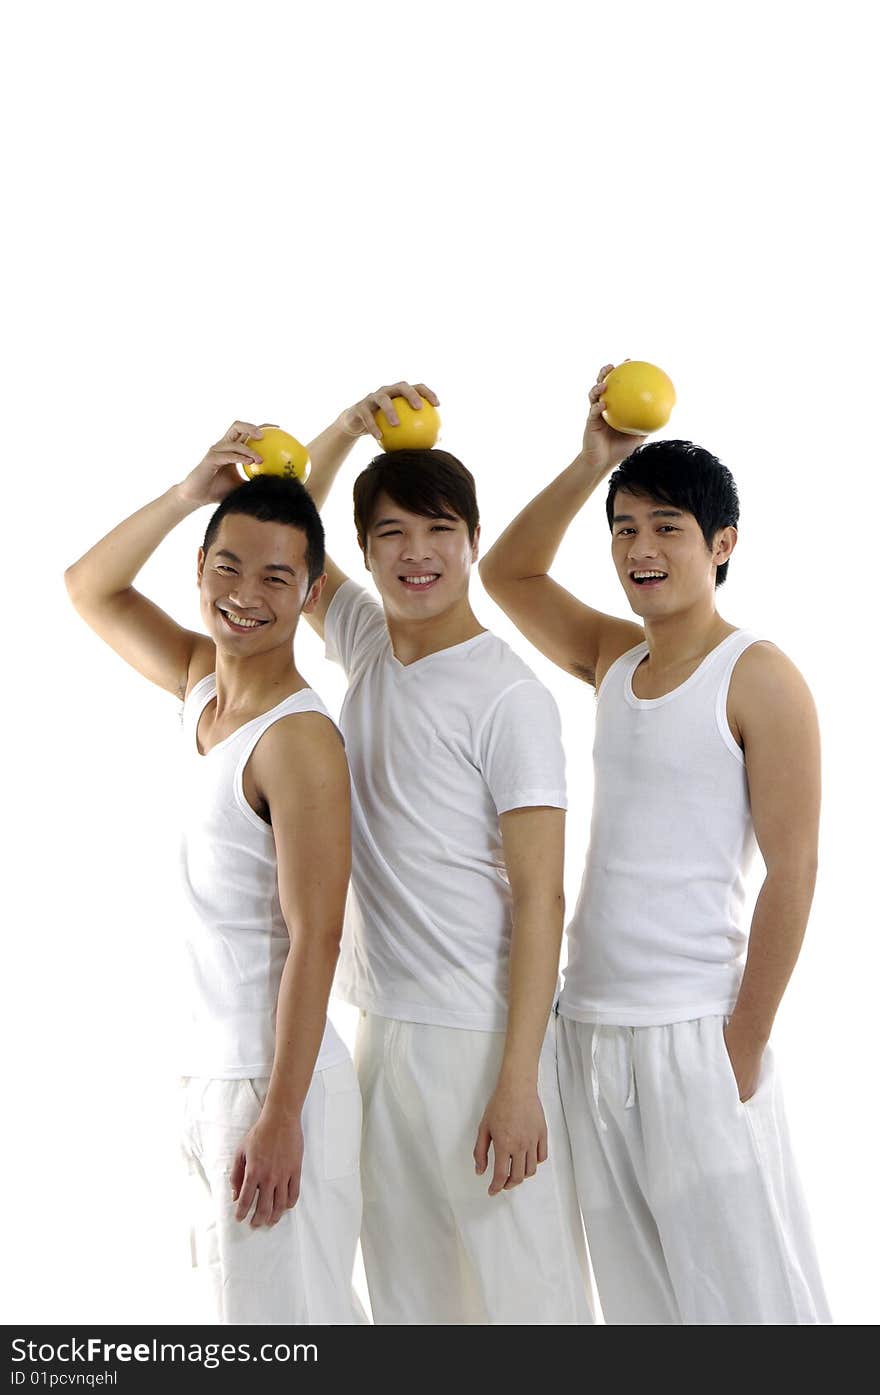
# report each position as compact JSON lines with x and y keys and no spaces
{"x":218,"y":474}
{"x":401,"y":416}
{"x":627,"y":403}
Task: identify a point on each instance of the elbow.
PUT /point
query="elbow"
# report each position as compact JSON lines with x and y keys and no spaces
{"x":72,"y":580}
{"x":324,"y":939}
{"x":795,"y":869}
{"x":489,"y":574}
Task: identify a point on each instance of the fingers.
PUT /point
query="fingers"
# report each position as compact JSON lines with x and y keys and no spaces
{"x":481,"y":1149}
{"x":383,"y":400}
{"x":293,"y":1192}
{"x":409,"y":392}
{"x":265,"y":1208}
{"x":514,"y":1162}
{"x":241,"y":430}
{"x":236,"y":1176}
{"x":501,"y":1171}
{"x":429,"y":394}
{"x":237,"y":455}
{"x":517,"y":1171}
{"x":246,"y":1195}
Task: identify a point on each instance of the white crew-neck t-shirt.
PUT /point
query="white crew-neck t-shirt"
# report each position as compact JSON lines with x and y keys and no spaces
{"x":438,"y":749}
{"x":657,"y":935}
{"x":235,"y":935}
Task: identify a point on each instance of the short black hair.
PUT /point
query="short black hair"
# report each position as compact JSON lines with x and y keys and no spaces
{"x":686,"y":477}
{"x":273,"y":499}
{"x":430,"y":482}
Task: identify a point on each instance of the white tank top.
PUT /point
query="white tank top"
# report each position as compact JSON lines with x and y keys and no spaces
{"x":236,"y":938}
{"x":657,"y":934}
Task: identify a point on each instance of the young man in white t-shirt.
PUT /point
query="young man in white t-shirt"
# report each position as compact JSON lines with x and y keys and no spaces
{"x":452,"y":940}
{"x":706,"y":744}
{"x":271,"y":1105}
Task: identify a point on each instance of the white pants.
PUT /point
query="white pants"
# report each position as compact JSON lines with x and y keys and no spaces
{"x":298,"y":1271}
{"x":437,"y":1248}
{"x":692,"y":1205}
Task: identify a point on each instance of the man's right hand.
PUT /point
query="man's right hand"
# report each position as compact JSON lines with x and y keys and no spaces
{"x":217,"y":475}
{"x":360,"y":419}
{"x":604,"y":448}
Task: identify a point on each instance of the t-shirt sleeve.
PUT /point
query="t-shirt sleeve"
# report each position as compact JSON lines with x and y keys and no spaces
{"x":520,"y":749}
{"x":353,"y":626}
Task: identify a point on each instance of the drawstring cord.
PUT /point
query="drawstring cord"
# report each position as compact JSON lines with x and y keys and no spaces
{"x":630,"y":1101}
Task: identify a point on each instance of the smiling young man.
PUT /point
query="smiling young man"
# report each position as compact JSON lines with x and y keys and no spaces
{"x":706,"y":742}
{"x":455,"y":920}
{"x":271,"y":1104}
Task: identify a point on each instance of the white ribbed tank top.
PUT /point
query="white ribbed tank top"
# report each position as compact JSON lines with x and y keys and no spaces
{"x":236,"y":939}
{"x":657,"y":935}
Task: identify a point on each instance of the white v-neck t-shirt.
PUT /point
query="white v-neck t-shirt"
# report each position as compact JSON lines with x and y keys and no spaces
{"x":438,"y":750}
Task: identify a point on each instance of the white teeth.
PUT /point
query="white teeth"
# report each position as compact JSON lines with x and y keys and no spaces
{"x":240,"y":620}
{"x":419,"y":580}
{"x":647,"y":576}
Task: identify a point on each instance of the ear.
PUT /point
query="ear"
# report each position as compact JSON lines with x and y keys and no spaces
{"x":200,"y":566}
{"x":475,"y":545}
{"x":363,"y":548}
{"x":314,"y":594}
{"x":722,"y":548}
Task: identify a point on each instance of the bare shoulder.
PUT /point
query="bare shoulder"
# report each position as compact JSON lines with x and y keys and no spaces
{"x":764,"y":669}
{"x":306,"y":745}
{"x":766,"y":689}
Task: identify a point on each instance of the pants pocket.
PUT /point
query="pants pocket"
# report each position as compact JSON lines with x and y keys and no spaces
{"x":726,"y":1063}
{"x":342,"y":1120}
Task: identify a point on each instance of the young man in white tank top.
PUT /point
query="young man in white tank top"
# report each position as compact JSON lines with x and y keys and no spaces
{"x":706,"y":744}
{"x":451,"y":948}
{"x":271,"y":1103}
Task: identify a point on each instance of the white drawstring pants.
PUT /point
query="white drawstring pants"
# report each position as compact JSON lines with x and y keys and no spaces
{"x":692,"y":1205}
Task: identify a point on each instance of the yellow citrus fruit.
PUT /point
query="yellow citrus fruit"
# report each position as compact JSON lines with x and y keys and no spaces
{"x":282,"y":454}
{"x":418,"y":429}
{"x":638,"y":398}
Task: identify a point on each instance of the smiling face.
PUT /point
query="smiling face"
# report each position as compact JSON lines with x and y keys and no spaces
{"x":661,"y":556}
{"x":254,"y":585}
{"x":421,"y":565}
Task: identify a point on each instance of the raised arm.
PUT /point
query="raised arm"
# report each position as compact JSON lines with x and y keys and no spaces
{"x":515,"y":570}
{"x":300,"y":770}
{"x":773,"y":714}
{"x":533,"y":842}
{"x":328,"y":452}
{"x":100,"y":583}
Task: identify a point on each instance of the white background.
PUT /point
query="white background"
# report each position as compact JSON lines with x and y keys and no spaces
{"x":218,"y":211}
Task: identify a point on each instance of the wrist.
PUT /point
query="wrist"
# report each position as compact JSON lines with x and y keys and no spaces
{"x":517,"y":1076}
{"x":589,"y":467}
{"x":753,"y":1029}
{"x":347,"y":433}
{"x":280,"y":1112}
{"x":184,"y":502}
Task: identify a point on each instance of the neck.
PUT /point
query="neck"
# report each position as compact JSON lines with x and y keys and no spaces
{"x":687,"y":635}
{"x":415,"y":639}
{"x":257,"y":683}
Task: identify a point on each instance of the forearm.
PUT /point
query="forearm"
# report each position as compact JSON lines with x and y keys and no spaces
{"x":529,"y":544}
{"x":534,"y":968}
{"x":777,"y":931}
{"x":327,"y":452}
{"x":113,"y":563}
{"x":300,"y":1020}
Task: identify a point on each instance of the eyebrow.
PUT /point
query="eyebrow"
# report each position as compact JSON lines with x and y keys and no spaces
{"x":269,"y":566}
{"x":447,"y":517}
{"x":655,"y":513}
